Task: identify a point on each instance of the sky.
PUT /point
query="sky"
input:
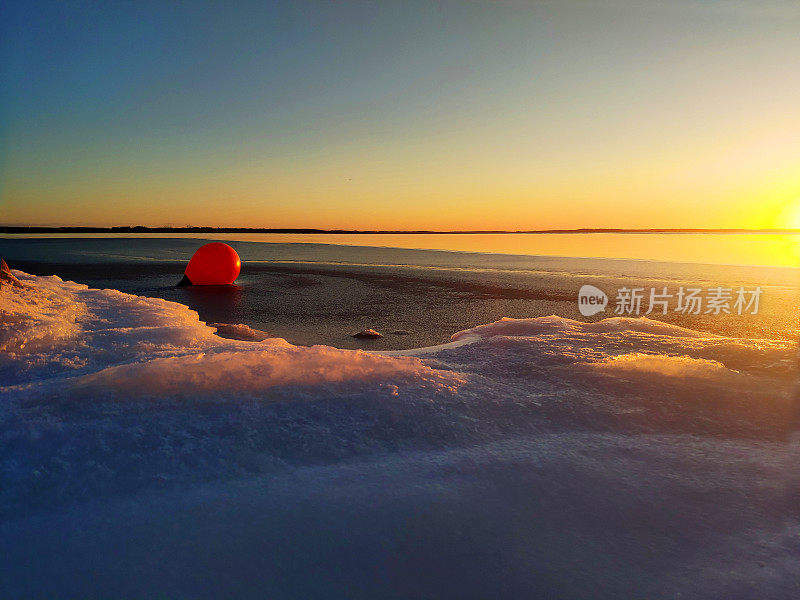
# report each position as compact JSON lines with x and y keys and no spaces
{"x":401,"y":115}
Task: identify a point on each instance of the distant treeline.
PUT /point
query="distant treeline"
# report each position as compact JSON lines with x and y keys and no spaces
{"x":10,"y":229}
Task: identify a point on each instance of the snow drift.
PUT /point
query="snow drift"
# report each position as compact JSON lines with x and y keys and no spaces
{"x":623,"y":458}
{"x":133,"y":345}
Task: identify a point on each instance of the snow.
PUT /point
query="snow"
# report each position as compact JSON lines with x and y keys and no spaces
{"x":129,"y":344}
{"x":528,"y":327}
{"x":240,"y":331}
{"x":141,"y":455}
{"x":649,"y":365}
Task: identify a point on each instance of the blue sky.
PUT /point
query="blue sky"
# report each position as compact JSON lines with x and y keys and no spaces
{"x":400,"y":114}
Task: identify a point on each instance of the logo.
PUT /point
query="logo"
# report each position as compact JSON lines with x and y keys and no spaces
{"x":591,"y":300}
{"x":689,"y":301}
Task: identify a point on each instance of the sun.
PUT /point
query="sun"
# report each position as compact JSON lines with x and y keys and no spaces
{"x":791,"y":215}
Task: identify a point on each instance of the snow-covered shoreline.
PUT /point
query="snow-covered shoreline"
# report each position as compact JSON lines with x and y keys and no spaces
{"x":132,"y":435}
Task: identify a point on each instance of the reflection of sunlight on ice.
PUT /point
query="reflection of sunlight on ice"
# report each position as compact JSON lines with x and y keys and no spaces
{"x":755,"y":249}
{"x":794,"y":248}
{"x":791,"y":249}
{"x":771,"y":249}
{"x":791,"y":220}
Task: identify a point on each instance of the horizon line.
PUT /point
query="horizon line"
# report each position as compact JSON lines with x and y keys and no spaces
{"x":23,"y":229}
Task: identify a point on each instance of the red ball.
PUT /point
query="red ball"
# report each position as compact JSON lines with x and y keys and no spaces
{"x":213,"y":264}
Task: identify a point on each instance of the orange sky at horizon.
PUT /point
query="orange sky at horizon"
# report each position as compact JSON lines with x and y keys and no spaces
{"x":420,"y":116}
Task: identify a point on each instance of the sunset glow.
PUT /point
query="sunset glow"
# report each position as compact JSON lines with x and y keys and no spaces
{"x":793,"y":215}
{"x":441,"y":299}
{"x":486,"y":115}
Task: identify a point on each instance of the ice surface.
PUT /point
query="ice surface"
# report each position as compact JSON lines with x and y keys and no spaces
{"x":141,"y":455}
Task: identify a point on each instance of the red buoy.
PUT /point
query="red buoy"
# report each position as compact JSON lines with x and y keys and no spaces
{"x":213,"y":264}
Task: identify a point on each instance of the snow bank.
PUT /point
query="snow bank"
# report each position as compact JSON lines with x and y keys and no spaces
{"x":41,"y":318}
{"x":132,"y":345}
{"x":528,"y":457}
{"x":649,"y":345}
{"x":648,"y":365}
{"x":555,"y":324}
{"x":62,"y":339}
{"x":54,"y":327}
{"x":252,"y":371}
{"x":239,"y":331}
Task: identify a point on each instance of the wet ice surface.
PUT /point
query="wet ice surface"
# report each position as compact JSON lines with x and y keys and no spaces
{"x":143,"y":456}
{"x":323,"y":294}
